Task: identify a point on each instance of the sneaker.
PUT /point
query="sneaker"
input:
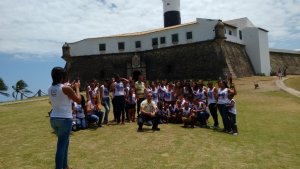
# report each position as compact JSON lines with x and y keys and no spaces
{"x":235,"y":134}
{"x":100,"y":125}
{"x":156,"y":129}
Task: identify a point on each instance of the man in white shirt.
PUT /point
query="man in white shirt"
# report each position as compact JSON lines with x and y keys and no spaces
{"x":148,"y":114}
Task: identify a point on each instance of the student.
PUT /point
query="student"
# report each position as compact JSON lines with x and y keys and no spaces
{"x":131,"y":104}
{"x":61,"y":98}
{"x":148,"y":114}
{"x":80,"y":116}
{"x":232,"y":114}
{"x":201,"y":114}
{"x":166,"y":113}
{"x":222,"y":100}
{"x":119,"y":96}
{"x":140,"y":92}
{"x":154,"y":92}
{"x":94,"y":113}
{"x":105,"y":99}
{"x":188,"y":116}
{"x":160,"y":112}
{"x":211,"y":101}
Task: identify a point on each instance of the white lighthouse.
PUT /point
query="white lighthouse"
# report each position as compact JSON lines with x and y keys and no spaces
{"x":171,"y":12}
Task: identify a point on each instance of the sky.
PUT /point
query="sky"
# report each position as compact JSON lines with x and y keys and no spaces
{"x":32,"y":32}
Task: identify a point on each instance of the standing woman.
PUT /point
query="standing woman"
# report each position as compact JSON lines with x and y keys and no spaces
{"x":61,"y":98}
{"x":119,"y":96}
{"x":222,"y":99}
{"x":104,"y":97}
{"x":212,"y":92}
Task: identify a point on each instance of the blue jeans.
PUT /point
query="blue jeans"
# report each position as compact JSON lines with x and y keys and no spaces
{"x":106,"y":105}
{"x":62,"y":128}
{"x":81,"y":122}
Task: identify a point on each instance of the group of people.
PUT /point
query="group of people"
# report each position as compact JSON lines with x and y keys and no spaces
{"x":187,"y":102}
{"x":152,"y":103}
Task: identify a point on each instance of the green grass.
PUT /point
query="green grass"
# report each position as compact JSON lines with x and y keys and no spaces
{"x":268,"y":122}
{"x":293,"y":83}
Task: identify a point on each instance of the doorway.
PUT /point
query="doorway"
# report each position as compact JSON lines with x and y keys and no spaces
{"x":135,"y":75}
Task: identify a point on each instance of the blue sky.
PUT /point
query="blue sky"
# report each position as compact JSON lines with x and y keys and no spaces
{"x":33,"y":31}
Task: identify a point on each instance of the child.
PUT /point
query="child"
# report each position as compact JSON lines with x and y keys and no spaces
{"x":188,"y":116}
{"x":131,"y":103}
{"x":80,"y":116}
{"x":74,"y":125}
{"x":201,"y":113}
{"x":166,"y":113}
{"x":232,"y":114}
{"x":160,"y":112}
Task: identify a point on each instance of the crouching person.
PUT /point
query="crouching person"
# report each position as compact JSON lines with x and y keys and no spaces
{"x":188,"y":116}
{"x":94,"y":113}
{"x":201,"y":113}
{"x":148,"y":114}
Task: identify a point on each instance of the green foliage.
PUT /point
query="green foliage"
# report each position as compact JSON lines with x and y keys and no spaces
{"x":20,"y":87}
{"x":3,"y":88}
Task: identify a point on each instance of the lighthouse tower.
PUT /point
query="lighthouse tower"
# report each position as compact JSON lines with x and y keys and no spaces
{"x":171,"y":12}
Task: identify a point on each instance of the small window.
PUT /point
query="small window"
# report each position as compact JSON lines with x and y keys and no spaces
{"x":162,"y":40}
{"x":189,"y":35}
{"x":138,"y":44}
{"x":154,"y":41}
{"x":102,"y":47}
{"x":224,"y":31}
{"x":241,"y":34}
{"x":230,"y":32}
{"x":175,"y":38}
{"x":121,"y":46}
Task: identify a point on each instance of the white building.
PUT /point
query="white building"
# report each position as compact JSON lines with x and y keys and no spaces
{"x":240,"y":31}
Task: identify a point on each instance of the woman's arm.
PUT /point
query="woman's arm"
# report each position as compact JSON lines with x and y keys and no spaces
{"x":75,"y":96}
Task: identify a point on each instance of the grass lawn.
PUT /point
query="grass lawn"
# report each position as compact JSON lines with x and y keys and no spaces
{"x":293,"y":82}
{"x":268,"y":122}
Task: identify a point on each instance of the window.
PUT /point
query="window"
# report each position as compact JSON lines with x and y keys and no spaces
{"x":121,"y":45}
{"x":175,"y":38}
{"x":224,"y":31}
{"x":241,"y":34}
{"x":138,"y":44}
{"x":230,"y":32}
{"x":189,"y":35}
{"x":162,"y":40}
{"x":154,"y":41}
{"x":102,"y":47}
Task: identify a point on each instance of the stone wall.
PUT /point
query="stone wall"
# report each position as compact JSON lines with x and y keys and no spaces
{"x":201,"y":60}
{"x":281,"y":59}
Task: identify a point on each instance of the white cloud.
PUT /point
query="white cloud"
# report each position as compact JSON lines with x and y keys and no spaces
{"x":39,"y":28}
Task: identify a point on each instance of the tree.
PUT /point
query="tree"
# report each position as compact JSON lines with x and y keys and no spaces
{"x":20,"y":87}
{"x":3,"y":88}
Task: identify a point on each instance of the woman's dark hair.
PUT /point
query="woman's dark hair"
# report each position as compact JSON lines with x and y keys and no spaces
{"x":82,"y":102}
{"x":57,"y":74}
{"x":225,"y":84}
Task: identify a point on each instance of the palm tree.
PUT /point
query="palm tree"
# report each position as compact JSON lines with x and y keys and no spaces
{"x":20,"y":87}
{"x":3,"y":88}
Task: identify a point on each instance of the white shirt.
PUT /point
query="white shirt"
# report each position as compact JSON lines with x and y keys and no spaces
{"x":211,"y":97}
{"x":105,"y":92}
{"x":60,"y":102}
{"x":119,"y":89}
{"x":233,"y":108}
{"x":148,"y":107}
{"x":79,"y":111}
{"x":223,"y":96}
{"x":185,"y":111}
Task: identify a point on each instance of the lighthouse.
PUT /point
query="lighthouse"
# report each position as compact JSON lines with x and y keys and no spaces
{"x":171,"y":12}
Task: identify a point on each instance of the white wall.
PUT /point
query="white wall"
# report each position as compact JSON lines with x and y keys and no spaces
{"x":202,"y":30}
{"x":171,"y":5}
{"x":257,"y":47}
